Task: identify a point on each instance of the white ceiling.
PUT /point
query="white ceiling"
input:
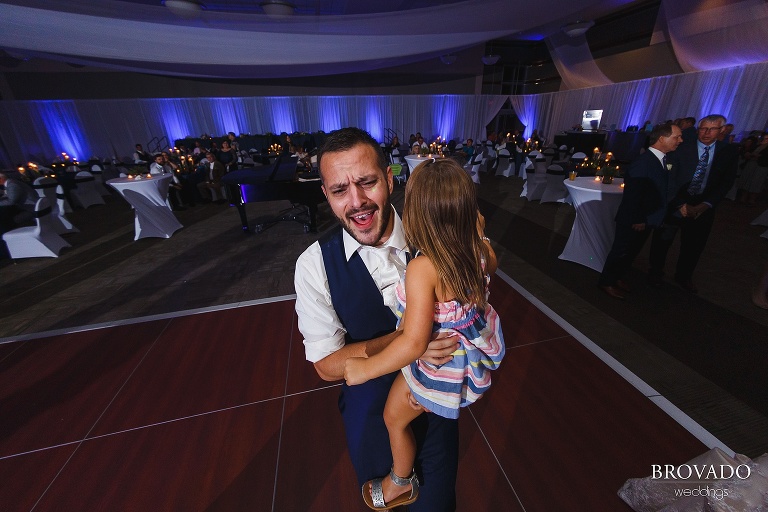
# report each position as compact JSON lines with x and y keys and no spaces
{"x":234,"y":38}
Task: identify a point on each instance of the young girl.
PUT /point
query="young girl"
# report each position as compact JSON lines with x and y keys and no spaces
{"x":446,"y":284}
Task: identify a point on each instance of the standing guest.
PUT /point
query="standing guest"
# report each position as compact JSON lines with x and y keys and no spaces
{"x":140,"y":156}
{"x":688,"y":126}
{"x":214,"y":170}
{"x":346,"y":303}
{"x":442,"y":220}
{"x":233,"y":143}
{"x":642,"y":209}
{"x":755,"y":171}
{"x":727,"y":133}
{"x":411,"y":140}
{"x":17,"y":203}
{"x":705,"y":170}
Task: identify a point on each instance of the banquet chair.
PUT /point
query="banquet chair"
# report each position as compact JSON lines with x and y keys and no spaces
{"x":549,"y":155}
{"x":474,"y":170}
{"x":40,"y":240}
{"x":394,"y":157}
{"x":58,"y":212}
{"x":578,"y":157}
{"x":506,"y":165}
{"x":85,"y":192}
{"x":398,"y":173}
{"x":98,"y":178}
{"x":50,"y":189}
{"x":562,"y":153}
{"x":536,"y":180}
{"x":554,"y":191}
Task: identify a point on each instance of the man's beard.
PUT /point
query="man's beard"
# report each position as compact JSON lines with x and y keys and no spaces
{"x":384,"y":216}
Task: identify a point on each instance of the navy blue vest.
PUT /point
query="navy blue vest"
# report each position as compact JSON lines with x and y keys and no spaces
{"x":351,"y":285}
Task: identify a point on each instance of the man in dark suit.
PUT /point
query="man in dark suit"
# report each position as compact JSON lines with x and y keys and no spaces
{"x":705,"y":170}
{"x":643,"y":207}
{"x":688,"y":126}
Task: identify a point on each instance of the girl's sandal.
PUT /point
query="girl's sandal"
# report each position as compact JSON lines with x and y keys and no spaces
{"x":374,"y":497}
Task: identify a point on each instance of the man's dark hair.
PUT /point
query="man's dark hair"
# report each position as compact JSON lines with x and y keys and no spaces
{"x":347,"y":138}
{"x":660,"y":130}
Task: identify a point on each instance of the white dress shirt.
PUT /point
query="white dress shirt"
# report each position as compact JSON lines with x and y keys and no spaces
{"x":322,"y":330}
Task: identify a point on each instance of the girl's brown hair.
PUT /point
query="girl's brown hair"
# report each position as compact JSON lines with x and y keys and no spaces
{"x":440,"y":221}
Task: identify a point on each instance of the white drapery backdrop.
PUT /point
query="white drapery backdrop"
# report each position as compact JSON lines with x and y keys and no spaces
{"x":739,"y":93}
{"x":712,"y":34}
{"x":574,"y":62}
{"x":42,"y":130}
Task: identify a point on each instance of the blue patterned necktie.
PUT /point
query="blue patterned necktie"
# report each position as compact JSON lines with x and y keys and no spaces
{"x":701,"y":170}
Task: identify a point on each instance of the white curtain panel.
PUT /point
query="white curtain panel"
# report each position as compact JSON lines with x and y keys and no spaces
{"x":42,"y":130}
{"x":739,"y":93}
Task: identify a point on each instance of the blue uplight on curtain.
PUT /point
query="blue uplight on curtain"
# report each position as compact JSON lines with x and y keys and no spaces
{"x":112,"y":127}
{"x":63,"y":128}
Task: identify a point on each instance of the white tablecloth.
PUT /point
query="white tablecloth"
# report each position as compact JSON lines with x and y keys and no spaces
{"x":414,"y":160}
{"x":594,"y":228}
{"x":148,"y":196}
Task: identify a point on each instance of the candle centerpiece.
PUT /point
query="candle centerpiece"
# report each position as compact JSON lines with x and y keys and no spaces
{"x":603,"y":165}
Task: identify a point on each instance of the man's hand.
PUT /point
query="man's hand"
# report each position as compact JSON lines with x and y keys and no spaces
{"x":354,"y":371}
{"x":639,"y":227}
{"x":695,"y":211}
{"x":439,"y":350}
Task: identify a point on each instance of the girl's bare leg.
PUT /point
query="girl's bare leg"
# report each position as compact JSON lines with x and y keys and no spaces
{"x":398,"y":414}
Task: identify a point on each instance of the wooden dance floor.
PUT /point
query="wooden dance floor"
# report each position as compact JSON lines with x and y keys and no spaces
{"x":219,"y":411}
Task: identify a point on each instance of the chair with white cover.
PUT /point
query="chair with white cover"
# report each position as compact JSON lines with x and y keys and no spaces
{"x":38,"y":241}
{"x":536,"y":181}
{"x":60,"y":221}
{"x":98,"y":178}
{"x":474,"y":170}
{"x":85,"y":193}
{"x":578,"y":158}
{"x":50,"y":189}
{"x":394,"y":157}
{"x":506,"y":165}
{"x":549,"y":155}
{"x":562,"y":153}
{"x":555,"y":191}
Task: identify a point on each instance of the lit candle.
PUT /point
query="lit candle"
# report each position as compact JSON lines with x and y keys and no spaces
{"x":597,"y":178}
{"x":622,"y":185}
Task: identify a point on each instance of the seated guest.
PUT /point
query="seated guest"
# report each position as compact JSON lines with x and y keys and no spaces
{"x":199,"y":149}
{"x":17,"y":203}
{"x":140,"y":156}
{"x":227,"y":156}
{"x":394,"y":143}
{"x":159,"y":166}
{"x":214,"y":172}
{"x":643,"y":207}
{"x":465,"y":153}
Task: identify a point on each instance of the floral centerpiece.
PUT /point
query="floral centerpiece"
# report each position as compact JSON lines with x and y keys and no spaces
{"x":601,"y":165}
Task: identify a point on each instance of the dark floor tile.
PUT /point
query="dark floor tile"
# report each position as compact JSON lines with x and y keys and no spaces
{"x":206,"y":362}
{"x":26,"y":477}
{"x":569,"y":431}
{"x":481,"y":482}
{"x":216,"y":462}
{"x":315,"y":473}
{"x":52,"y":390}
{"x":521,"y":321}
{"x":301,"y":373}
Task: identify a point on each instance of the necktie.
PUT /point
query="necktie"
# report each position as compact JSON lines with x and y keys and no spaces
{"x":701,"y":170}
{"x":664,"y":162}
{"x":390,"y":270}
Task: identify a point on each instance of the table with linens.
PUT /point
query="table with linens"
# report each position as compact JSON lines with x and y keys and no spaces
{"x":149,"y":198}
{"x":414,"y":160}
{"x":594,"y":227}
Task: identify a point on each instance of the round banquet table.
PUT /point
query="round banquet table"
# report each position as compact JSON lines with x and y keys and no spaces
{"x":148,"y":196}
{"x":414,"y":160}
{"x":594,"y":227}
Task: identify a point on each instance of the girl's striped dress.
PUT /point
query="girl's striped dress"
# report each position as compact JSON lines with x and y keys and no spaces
{"x":463,"y":380}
